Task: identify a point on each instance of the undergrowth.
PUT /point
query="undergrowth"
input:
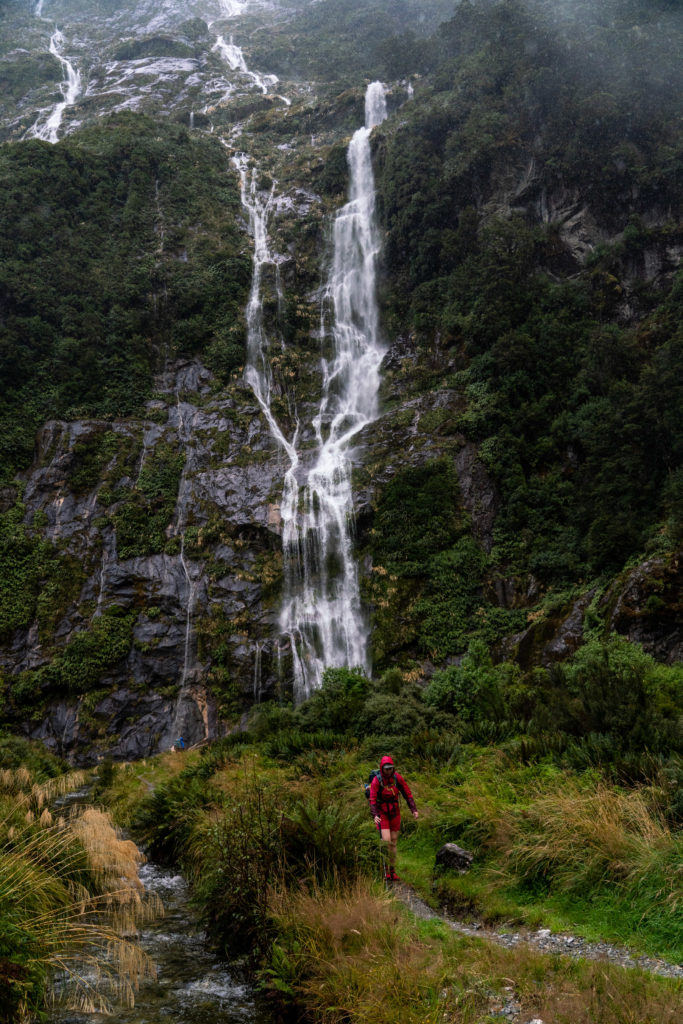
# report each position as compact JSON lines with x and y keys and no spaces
{"x":70,"y":899}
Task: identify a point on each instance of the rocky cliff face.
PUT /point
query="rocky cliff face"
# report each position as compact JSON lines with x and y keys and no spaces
{"x":202,"y":582}
{"x":149,"y":547}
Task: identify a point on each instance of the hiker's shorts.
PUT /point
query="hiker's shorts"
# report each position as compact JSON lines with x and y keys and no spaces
{"x":393,"y":823}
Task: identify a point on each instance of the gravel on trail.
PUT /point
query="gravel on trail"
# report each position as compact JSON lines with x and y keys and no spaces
{"x":543,"y":939}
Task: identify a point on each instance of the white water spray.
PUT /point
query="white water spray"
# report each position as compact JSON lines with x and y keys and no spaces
{"x":234,"y":57}
{"x":321,"y":621}
{"x":233,"y":8}
{"x":322,"y":613}
{"x":70,"y":88}
{"x":191,"y":588}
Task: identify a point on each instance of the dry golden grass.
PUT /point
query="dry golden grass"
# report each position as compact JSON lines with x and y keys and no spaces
{"x":352,"y":956}
{"x":71,"y":886}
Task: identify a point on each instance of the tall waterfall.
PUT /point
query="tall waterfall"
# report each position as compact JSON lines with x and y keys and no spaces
{"x":321,"y":612}
{"x":70,"y":88}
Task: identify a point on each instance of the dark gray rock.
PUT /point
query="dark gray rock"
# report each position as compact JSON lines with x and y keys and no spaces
{"x":452,"y":857}
{"x":479,"y":494}
{"x":646,"y":606}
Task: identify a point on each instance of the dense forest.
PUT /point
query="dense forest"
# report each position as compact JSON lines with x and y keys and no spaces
{"x":570,"y":364}
{"x":103,"y":278}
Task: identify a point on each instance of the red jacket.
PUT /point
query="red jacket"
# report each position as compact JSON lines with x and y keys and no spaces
{"x":384,"y":797}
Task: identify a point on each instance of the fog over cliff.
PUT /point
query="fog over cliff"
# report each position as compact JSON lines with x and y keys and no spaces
{"x":289,"y":386}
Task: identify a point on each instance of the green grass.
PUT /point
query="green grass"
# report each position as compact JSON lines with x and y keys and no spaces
{"x":624,"y":889}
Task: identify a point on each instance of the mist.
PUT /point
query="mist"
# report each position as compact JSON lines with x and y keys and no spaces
{"x":624,"y":43}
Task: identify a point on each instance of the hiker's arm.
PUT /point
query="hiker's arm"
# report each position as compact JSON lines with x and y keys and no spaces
{"x":374,"y":790}
{"x":405,"y":789}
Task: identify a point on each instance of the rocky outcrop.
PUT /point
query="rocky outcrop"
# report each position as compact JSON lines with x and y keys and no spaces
{"x":201,"y":590}
{"x":451,"y":857}
{"x":646,"y":605}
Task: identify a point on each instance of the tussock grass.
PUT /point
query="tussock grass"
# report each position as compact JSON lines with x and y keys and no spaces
{"x":552,"y":848}
{"x":70,"y":904}
{"x":351,"y":955}
{"x":580,"y":837}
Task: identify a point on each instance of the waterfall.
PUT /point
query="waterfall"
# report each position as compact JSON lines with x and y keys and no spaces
{"x":257,"y":671}
{"x":321,"y":620}
{"x":233,"y":8}
{"x":188,"y":613}
{"x":70,"y":88}
{"x":257,"y":373}
{"x":322,"y":613}
{"x":234,"y":57}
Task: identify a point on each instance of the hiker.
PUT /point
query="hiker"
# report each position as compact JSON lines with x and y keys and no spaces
{"x":384,"y":790}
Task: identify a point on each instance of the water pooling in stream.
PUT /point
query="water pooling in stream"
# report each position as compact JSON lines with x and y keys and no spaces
{"x":193,"y":986}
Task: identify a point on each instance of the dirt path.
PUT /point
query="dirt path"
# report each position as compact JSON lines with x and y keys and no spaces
{"x":543,"y":940}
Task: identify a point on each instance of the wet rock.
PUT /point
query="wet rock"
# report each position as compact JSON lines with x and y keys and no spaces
{"x":549,"y":639}
{"x":453,"y":858}
{"x":646,"y":606}
{"x":479,"y":494}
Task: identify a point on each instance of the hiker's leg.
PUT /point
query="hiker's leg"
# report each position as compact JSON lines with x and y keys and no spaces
{"x":393,"y":837}
{"x":386,"y":841}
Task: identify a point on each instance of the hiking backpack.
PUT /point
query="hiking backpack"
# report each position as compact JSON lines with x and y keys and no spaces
{"x":374,"y":774}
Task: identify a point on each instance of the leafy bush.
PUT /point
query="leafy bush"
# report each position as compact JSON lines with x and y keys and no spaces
{"x":615,"y":691}
{"x":476,"y":689}
{"x":165,"y":819}
{"x":339,"y":702}
{"x":289,"y":743}
{"x":320,"y":838}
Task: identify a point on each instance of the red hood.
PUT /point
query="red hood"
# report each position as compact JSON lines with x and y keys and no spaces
{"x":386,"y":760}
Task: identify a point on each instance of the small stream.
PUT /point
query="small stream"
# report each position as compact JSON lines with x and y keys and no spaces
{"x":193,"y":986}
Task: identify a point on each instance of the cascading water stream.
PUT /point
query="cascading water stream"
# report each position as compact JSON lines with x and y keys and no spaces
{"x":70,"y":89}
{"x":257,"y":373}
{"x":186,"y":712}
{"x":322,"y":613}
{"x":234,"y":56}
{"x":321,"y":616}
{"x":191,"y":587}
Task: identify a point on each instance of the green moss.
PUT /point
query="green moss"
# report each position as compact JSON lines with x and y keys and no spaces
{"x":89,"y":457}
{"x":36,"y":581}
{"x":79,"y":667}
{"x":142,"y":520}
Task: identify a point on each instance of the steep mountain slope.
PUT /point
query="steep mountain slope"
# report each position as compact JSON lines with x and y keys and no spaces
{"x":522,"y":482}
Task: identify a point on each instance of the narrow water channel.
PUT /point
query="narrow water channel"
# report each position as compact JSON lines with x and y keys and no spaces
{"x":193,"y":986}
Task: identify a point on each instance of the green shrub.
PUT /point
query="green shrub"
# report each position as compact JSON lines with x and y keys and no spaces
{"x":614,"y":690}
{"x":164,"y":820}
{"x":289,"y":743}
{"x":323,"y":840}
{"x":338,"y":704}
{"x":474,"y":690}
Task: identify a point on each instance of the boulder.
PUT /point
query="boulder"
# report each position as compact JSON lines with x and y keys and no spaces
{"x":453,"y":858}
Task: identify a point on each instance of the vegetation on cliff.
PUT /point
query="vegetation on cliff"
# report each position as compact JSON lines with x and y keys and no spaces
{"x":568,"y":360}
{"x":104,"y":273}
